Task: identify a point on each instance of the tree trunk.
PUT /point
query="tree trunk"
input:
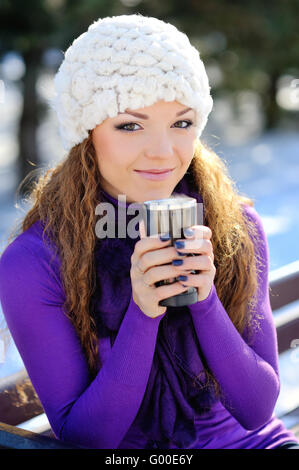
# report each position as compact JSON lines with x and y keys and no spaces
{"x":28,"y":154}
{"x":270,"y":105}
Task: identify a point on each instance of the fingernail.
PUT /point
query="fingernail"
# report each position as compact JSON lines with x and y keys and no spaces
{"x":165,"y":237}
{"x":180,"y":244}
{"x":181,"y":254}
{"x":177,"y":262}
{"x":183,"y":278}
{"x":189,"y":232}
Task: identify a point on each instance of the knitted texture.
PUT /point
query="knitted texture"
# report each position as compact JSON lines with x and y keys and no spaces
{"x":127,"y":62}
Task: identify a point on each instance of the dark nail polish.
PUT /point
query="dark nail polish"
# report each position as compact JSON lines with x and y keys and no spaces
{"x":183,"y":278}
{"x":177,"y":262}
{"x":165,"y":237}
{"x":181,"y":254}
{"x":180,"y":244}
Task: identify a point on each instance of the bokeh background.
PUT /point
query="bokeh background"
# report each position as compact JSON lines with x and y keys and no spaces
{"x":251,"y":53}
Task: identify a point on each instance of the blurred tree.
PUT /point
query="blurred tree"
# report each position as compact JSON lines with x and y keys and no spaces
{"x":24,"y":28}
{"x":30,"y":28}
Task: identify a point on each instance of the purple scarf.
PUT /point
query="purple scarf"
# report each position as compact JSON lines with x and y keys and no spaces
{"x":176,"y":390}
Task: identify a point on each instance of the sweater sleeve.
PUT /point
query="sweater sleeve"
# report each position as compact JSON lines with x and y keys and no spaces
{"x":247,"y":372}
{"x":91,"y":414}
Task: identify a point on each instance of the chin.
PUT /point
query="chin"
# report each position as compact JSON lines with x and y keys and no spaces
{"x":155,"y":196}
{"x":150,"y":195}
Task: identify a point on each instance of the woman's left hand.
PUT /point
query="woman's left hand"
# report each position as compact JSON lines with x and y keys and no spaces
{"x":203,"y":260}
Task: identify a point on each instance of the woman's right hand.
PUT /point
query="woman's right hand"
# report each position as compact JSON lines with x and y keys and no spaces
{"x":148,"y":266}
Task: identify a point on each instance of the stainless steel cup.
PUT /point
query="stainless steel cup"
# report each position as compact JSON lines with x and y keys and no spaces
{"x":172,"y":215}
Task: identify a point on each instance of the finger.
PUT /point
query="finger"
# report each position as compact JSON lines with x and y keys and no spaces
{"x":158,"y":257}
{"x":169,"y":290}
{"x":201,"y":263}
{"x":166,"y":272}
{"x":198,"y":231}
{"x":147,"y":244}
{"x":195,"y":246}
{"x":194,"y":280}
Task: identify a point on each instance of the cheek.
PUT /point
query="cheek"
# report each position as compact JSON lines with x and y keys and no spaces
{"x":114,"y":153}
{"x":187,"y":150}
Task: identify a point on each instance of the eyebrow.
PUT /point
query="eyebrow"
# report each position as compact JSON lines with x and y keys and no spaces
{"x":144,"y":116}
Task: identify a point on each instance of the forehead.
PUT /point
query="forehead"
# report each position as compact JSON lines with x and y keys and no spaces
{"x":161,"y":109}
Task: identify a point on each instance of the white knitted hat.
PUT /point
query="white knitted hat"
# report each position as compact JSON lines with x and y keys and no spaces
{"x":127,"y":62}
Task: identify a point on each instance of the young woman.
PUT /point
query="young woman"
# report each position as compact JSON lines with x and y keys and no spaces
{"x":112,"y":367}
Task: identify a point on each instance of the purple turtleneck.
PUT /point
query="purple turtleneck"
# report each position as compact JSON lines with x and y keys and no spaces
{"x":110,"y":411}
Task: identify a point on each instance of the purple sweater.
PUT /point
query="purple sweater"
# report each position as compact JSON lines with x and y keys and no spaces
{"x":101,"y":413}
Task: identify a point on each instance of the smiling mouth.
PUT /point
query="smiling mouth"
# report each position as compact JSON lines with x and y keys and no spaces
{"x":156,"y":171}
{"x":155,"y":175}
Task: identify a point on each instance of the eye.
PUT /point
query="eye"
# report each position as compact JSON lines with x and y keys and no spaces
{"x":189,"y":123}
{"x":124,"y":126}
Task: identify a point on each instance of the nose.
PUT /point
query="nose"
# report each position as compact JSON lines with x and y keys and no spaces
{"x":160,"y":146}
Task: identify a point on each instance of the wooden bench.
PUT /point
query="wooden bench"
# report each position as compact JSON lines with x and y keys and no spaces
{"x":21,"y":411}
{"x":284,"y":297}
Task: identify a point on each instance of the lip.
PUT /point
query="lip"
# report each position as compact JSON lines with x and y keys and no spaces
{"x":157,"y":175}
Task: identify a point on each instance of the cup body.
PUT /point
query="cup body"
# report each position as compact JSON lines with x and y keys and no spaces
{"x":172,"y":216}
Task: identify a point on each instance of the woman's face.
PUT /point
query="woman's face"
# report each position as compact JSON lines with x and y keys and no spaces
{"x":156,"y":137}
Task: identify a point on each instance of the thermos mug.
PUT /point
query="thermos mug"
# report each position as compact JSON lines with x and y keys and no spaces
{"x":172,"y":215}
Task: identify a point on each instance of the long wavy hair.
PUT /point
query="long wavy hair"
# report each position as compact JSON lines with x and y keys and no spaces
{"x":64,"y":199}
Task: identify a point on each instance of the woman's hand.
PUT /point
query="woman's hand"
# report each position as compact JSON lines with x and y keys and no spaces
{"x":198,"y":243}
{"x":148,"y":266}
